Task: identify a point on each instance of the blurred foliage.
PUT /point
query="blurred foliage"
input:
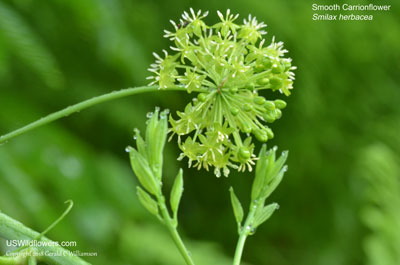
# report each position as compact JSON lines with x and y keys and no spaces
{"x":381,"y":211}
{"x":339,"y":200}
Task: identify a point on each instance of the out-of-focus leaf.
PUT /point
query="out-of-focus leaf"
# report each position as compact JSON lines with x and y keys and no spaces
{"x":237,"y":206}
{"x":176,"y":193}
{"x":264,"y":214}
{"x":149,"y":203}
{"x":142,"y":170}
{"x":28,"y":47}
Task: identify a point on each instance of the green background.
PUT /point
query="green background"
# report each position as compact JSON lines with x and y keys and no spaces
{"x":340,"y":199}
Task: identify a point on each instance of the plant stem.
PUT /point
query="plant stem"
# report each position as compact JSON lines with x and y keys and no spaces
{"x":83,"y":105}
{"x":14,"y":230}
{"x":171,"y":225}
{"x":239,"y":249}
{"x":244,"y":232}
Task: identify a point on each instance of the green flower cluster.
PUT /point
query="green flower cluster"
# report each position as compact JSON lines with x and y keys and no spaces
{"x":228,"y":64}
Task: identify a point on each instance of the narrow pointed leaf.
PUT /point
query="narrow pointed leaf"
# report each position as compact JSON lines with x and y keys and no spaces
{"x":158,"y":143}
{"x":140,"y":144}
{"x":261,"y":170}
{"x":176,"y":192}
{"x":268,"y":189}
{"x":237,"y":206}
{"x":276,"y":167}
{"x":264,"y":214}
{"x":149,"y":203}
{"x":151,"y":139}
{"x":152,"y":125}
{"x":142,"y":170}
{"x":156,"y":136}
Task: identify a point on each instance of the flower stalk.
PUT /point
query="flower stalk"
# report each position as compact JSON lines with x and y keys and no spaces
{"x":244,"y":232}
{"x":84,"y":105}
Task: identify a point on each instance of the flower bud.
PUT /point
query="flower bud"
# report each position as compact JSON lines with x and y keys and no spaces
{"x":202,"y":97}
{"x":243,"y":154}
{"x":247,"y":128}
{"x":280,"y":104}
{"x":269,"y":132}
{"x":269,"y":105}
{"x":247,"y":107}
{"x":259,"y":67}
{"x":261,"y":135}
{"x":259,"y":100}
{"x":267,"y":62}
{"x":277,"y":68}
{"x":234,"y":111}
{"x":268,"y":117}
{"x":275,"y":82}
{"x":278,"y":113}
{"x":244,"y":125}
{"x":264,"y":81}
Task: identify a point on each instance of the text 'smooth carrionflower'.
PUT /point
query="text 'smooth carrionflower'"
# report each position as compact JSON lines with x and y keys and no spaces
{"x":229,"y":64}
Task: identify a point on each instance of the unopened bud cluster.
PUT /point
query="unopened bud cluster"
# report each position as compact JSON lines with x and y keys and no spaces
{"x":229,"y":64}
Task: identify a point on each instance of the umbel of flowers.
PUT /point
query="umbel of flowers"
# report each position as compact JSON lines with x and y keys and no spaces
{"x":228,"y":64}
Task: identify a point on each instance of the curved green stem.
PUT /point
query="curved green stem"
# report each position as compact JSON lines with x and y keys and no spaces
{"x":244,"y":233}
{"x":70,"y":205}
{"x":59,"y":219}
{"x":171,"y":225}
{"x":14,"y":230}
{"x":84,"y":105}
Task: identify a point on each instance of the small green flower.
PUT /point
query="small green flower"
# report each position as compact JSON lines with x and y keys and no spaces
{"x":191,"y":80}
{"x":229,"y":65}
{"x":165,"y":70}
{"x":226,"y":23}
{"x":252,"y":30}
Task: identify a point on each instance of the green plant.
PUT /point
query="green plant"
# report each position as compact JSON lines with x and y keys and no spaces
{"x":12,"y":229}
{"x":228,"y":65}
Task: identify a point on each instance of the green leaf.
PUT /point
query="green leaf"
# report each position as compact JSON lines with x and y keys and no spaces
{"x":267,"y":170}
{"x":149,"y":203}
{"x":264,"y":214}
{"x":142,"y":170}
{"x":276,"y":167}
{"x":261,"y":169}
{"x":237,"y":207}
{"x":150,"y":131}
{"x":140,"y":144}
{"x":156,"y":136}
{"x":268,"y":189}
{"x":176,"y":193}
{"x":158,"y":143}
